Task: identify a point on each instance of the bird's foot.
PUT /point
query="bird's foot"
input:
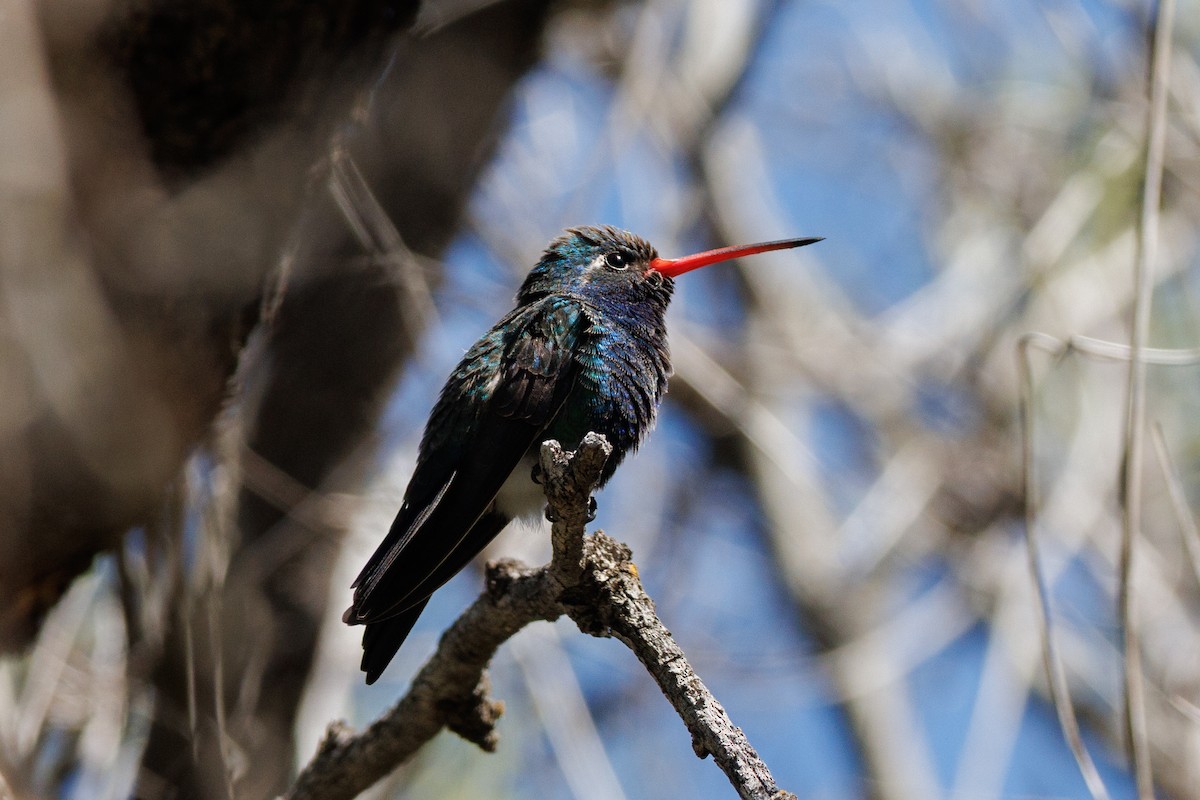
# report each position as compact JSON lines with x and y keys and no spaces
{"x":551,"y":515}
{"x":535,"y":474}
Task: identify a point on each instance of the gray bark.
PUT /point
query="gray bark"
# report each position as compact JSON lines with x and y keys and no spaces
{"x":592,"y":580}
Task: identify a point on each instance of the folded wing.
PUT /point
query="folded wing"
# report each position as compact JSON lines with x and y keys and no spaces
{"x":494,"y":408}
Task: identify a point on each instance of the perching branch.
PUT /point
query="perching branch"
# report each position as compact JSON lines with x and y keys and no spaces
{"x":591,"y":579}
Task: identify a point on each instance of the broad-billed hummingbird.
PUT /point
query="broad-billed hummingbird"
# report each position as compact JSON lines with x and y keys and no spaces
{"x":584,"y":350}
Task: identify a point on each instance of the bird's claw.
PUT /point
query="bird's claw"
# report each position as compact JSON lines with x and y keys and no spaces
{"x":551,"y":515}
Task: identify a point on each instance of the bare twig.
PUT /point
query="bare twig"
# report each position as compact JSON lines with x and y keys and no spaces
{"x":1135,"y":421}
{"x":1100,"y":349}
{"x":1179,"y":503}
{"x":377,"y":234}
{"x":590,"y":579}
{"x":1060,"y":692}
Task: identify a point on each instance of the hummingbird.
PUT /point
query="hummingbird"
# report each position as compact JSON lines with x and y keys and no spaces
{"x":585,"y":349}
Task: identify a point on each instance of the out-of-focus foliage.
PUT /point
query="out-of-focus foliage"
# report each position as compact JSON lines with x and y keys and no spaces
{"x":830,"y":513}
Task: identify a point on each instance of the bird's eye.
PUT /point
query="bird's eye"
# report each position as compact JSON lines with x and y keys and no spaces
{"x":617,"y":260}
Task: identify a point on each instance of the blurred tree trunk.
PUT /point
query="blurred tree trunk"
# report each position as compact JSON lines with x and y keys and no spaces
{"x":182,"y":142}
{"x":155,"y":160}
{"x":324,"y":368}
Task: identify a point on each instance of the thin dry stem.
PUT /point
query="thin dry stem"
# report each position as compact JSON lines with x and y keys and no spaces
{"x":1060,"y":693}
{"x":1135,"y":422}
{"x":1179,"y":504}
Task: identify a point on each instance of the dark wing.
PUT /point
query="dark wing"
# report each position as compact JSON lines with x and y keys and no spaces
{"x":499,"y":401}
{"x":382,"y":639}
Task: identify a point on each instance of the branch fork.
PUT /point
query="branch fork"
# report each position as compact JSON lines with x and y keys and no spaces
{"x":592,"y":580}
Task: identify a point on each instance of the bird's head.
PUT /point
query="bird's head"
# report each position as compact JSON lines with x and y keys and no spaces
{"x":611,"y":263}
